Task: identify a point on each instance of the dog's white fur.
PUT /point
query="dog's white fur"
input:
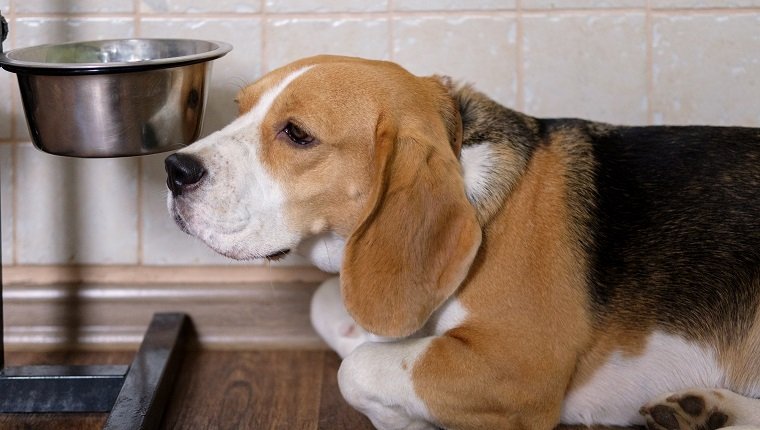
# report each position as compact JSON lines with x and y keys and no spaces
{"x":323,"y":250}
{"x":616,"y":393}
{"x":376,"y":376}
{"x":477,"y":166}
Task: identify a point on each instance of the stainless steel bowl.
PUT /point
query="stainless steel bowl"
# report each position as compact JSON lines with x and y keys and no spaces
{"x":114,"y":98}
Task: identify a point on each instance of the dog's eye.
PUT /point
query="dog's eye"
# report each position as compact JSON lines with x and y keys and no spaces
{"x":297,"y":135}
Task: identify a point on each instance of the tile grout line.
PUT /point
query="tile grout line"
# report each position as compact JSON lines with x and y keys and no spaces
{"x":705,"y":11}
{"x":401,"y":13}
{"x":136,"y":14}
{"x":649,"y":62}
{"x":140,"y":160}
{"x":14,"y":200}
{"x":391,"y":33}
{"x":519,"y":58}
{"x":264,"y":17}
{"x":140,"y":212}
{"x":14,"y":146}
{"x":306,"y":15}
{"x":12,"y":40}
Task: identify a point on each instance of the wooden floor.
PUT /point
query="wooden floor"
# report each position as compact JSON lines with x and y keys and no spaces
{"x":290,"y":390}
{"x":236,"y":390}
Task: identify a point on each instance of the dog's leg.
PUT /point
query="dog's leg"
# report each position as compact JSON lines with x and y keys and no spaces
{"x":440,"y":382}
{"x":331,"y":320}
{"x":376,"y":379}
{"x":706,"y":409}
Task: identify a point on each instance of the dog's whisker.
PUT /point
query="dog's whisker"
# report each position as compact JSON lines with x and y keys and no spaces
{"x":238,"y":82}
{"x":327,"y":252}
{"x":271,"y":281}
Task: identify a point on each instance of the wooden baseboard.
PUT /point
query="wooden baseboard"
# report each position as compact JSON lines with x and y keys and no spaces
{"x":227,"y":315}
{"x":116,"y":274}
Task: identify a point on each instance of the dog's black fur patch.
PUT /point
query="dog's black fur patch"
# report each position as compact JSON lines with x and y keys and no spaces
{"x":677,"y":239}
{"x":669,"y":217}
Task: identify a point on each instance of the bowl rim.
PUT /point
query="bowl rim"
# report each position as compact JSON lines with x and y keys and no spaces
{"x":39,"y":68}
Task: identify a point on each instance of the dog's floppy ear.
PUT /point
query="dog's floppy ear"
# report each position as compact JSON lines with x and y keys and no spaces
{"x":418,"y":235}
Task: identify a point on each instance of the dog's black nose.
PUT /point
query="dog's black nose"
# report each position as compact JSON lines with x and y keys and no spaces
{"x":182,"y":170}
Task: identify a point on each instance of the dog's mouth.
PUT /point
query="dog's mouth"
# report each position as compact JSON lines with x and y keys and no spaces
{"x":235,"y":254}
{"x":277,"y":255}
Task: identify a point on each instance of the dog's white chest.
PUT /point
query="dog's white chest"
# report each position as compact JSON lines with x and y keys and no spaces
{"x":620,"y":387}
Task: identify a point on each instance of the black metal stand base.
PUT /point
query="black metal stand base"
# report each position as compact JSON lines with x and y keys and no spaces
{"x":135,"y":395}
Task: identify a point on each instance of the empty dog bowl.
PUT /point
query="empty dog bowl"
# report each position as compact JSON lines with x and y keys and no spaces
{"x":113,"y":98}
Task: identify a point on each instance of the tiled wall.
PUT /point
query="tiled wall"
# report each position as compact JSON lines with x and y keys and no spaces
{"x":623,"y":61}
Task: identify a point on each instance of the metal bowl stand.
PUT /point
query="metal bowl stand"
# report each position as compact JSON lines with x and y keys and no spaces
{"x":135,"y":395}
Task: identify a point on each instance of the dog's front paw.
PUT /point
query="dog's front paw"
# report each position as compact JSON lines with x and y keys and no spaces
{"x":687,"y":410}
{"x":331,"y":320}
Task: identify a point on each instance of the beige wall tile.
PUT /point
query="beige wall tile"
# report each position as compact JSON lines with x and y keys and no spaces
{"x":586,"y":66}
{"x":290,"y":39}
{"x":37,"y":31}
{"x":484,"y":49}
{"x":201,"y":6}
{"x":658,"y":4}
{"x":453,"y":4}
{"x":309,"y":6}
{"x":75,"y":210}
{"x":576,"y":4}
{"x":231,"y":72}
{"x":6,"y":82}
{"x":6,"y":201}
{"x":78,"y":6}
{"x":706,"y":70}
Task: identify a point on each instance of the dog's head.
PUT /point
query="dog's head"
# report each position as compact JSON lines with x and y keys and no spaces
{"x":360,"y":150}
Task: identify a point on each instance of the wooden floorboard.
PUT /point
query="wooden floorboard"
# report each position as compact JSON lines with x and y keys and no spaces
{"x":223,"y":390}
{"x":334,"y":412}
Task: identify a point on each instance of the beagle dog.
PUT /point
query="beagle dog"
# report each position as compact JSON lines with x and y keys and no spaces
{"x":497,"y":271}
